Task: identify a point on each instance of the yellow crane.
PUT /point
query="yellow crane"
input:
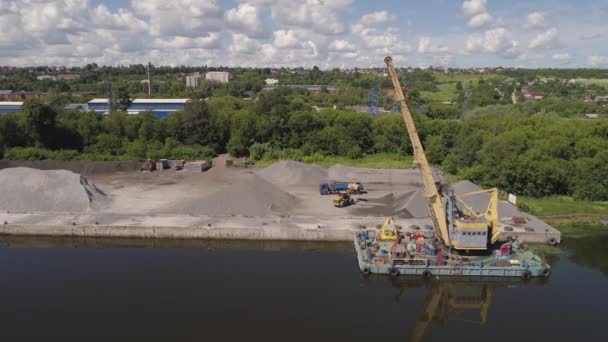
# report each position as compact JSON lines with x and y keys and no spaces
{"x":457,"y":225}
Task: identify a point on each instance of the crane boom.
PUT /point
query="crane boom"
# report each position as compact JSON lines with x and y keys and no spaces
{"x":432,"y":194}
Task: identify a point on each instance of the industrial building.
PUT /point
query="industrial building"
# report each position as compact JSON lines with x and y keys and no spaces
{"x":10,"y":107}
{"x":194,"y":81}
{"x":315,"y":89}
{"x":218,"y":76}
{"x":160,"y":107}
{"x":46,"y":77}
{"x":10,"y":95}
{"x":67,"y":77}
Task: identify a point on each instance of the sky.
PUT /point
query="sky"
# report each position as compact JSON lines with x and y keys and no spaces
{"x":325,"y":33}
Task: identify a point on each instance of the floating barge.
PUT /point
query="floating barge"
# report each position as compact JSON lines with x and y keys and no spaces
{"x":417,"y":255}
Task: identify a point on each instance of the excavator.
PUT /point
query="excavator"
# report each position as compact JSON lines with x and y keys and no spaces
{"x":458,"y":226}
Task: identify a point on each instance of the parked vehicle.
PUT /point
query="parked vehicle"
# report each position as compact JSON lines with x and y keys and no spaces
{"x":334,"y":187}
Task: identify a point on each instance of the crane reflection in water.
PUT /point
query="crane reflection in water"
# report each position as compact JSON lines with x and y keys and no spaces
{"x":461,"y":299}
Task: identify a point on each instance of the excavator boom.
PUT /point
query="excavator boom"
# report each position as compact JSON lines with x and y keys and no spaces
{"x":432,"y":194}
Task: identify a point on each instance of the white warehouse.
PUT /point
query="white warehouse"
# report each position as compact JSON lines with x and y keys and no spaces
{"x":218,"y":76}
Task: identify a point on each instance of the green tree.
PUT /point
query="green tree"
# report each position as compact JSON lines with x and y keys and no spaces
{"x":40,"y":121}
{"x":122,"y":97}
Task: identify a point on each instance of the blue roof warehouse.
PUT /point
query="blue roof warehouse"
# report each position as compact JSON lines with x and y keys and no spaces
{"x":160,"y":107}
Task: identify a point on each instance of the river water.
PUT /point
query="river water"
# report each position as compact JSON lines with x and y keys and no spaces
{"x":110,"y":290}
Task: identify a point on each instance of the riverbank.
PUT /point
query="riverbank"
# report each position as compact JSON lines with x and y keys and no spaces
{"x":279,"y":202}
{"x":301,"y":228}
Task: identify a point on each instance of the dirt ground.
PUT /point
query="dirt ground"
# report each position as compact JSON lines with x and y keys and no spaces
{"x":180,"y":192}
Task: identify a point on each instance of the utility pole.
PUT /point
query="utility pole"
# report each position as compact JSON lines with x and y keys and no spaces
{"x":110,"y":97}
{"x":149,"y":78}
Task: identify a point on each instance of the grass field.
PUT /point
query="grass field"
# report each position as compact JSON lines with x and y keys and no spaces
{"x":447,"y":92}
{"x":564,"y":206}
{"x":598,"y":81}
{"x":374,"y":161}
{"x":465,"y":77}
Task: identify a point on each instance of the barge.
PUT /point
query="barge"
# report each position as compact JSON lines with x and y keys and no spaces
{"x":414,"y":254}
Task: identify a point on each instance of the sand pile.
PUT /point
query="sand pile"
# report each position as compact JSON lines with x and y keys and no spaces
{"x":26,"y":190}
{"x":411,"y":204}
{"x":250,"y":196}
{"x":289,"y":172}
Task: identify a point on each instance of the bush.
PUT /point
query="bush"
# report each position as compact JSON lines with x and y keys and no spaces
{"x":191,"y":152}
{"x":257,"y":151}
{"x":35,"y":153}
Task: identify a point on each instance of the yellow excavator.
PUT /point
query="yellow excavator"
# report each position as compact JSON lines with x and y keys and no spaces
{"x":457,"y":224}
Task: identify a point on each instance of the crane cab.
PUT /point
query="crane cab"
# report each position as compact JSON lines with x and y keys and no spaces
{"x":473,"y":236}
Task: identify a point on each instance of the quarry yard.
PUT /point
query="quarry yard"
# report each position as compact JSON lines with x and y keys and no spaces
{"x":279,"y":202}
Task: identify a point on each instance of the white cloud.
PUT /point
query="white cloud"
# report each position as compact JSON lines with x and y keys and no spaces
{"x":241,"y":44}
{"x":597,"y":61}
{"x":342,"y":46}
{"x":183,"y":18}
{"x":210,"y":42}
{"x":425,"y":47}
{"x":546,"y":39}
{"x":320,"y":16}
{"x":496,"y":41}
{"x":562,"y":57}
{"x":473,"y":7}
{"x":285,"y":39}
{"x":245,"y":19}
{"x":535,"y":20}
{"x":480,"y":20}
{"x":123,"y":20}
{"x":380,"y":17}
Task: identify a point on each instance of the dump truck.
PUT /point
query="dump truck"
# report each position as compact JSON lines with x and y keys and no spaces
{"x":334,"y":187}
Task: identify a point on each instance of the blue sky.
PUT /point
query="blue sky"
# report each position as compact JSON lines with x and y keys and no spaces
{"x":326,"y":33}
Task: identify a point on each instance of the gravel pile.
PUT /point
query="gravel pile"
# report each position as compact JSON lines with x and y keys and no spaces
{"x":289,"y":172}
{"x":250,"y":196}
{"x":30,"y":190}
{"x":417,"y":205}
{"x":365,"y":175}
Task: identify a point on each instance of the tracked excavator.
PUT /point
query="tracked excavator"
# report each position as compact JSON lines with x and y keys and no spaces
{"x":457,"y":224}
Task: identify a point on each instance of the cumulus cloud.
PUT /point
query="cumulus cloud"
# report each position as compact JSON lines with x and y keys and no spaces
{"x":535,"y":20}
{"x":597,"y":61}
{"x":380,"y":17}
{"x":210,"y":42}
{"x":285,"y":39}
{"x":480,"y":20}
{"x":318,"y":15}
{"x":123,"y":20}
{"x":496,"y":41}
{"x":473,"y":7}
{"x":263,"y":33}
{"x":562,"y":57}
{"x":545,"y":39}
{"x":342,"y":46}
{"x":426,"y":47}
{"x":245,"y":19}
{"x":183,"y":18}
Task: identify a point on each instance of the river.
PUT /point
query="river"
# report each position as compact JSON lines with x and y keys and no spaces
{"x":109,"y":290}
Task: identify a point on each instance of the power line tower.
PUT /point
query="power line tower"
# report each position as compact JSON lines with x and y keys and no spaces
{"x":465,"y":103}
{"x":372,"y":100}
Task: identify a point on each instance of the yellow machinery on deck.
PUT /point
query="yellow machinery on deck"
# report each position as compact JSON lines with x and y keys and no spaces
{"x":388,"y":230}
{"x":457,"y":225}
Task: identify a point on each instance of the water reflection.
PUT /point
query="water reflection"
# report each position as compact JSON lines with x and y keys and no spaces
{"x":467,"y":300}
{"x":589,"y":251}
